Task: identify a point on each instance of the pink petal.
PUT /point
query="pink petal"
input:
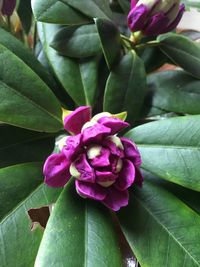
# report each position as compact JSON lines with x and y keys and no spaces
{"x":131,"y":151}
{"x":74,"y":122}
{"x":116,"y":199}
{"x":173,"y":25}
{"x":137,"y":17}
{"x":115,"y":124}
{"x":86,"y":171}
{"x":113,"y":148}
{"x":156,"y":24}
{"x":72,"y":147}
{"x":95,"y":133}
{"x":105,"y":176}
{"x":133,"y":3}
{"x":89,"y":190}
{"x":126,"y":176}
{"x":56,"y":170}
{"x":102,"y":160}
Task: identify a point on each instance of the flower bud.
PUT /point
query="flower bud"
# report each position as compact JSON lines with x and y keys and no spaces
{"x":7,"y":7}
{"x":154,"y":17}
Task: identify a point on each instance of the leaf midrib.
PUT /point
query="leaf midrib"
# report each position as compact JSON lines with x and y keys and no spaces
{"x":165,"y":228}
{"x":169,"y":146}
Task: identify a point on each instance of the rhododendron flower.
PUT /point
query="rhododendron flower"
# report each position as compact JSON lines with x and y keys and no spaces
{"x":104,"y":165}
{"x":154,"y":17}
{"x":7,"y":7}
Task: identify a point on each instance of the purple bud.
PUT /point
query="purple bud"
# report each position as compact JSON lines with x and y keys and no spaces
{"x":154,"y":17}
{"x":8,"y":7}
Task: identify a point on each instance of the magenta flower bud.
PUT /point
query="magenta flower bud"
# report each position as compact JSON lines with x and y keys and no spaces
{"x":104,"y":165}
{"x":7,"y":7}
{"x":154,"y":17}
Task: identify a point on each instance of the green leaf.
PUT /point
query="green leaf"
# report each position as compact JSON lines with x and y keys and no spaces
{"x":21,"y":190}
{"x":25,"y":13}
{"x":54,"y":11}
{"x":182,"y":51}
{"x":170,"y":148}
{"x":126,"y":86}
{"x":83,"y":230}
{"x":162,"y":231}
{"x":15,"y":46}
{"x":91,"y":8}
{"x":125,"y":5}
{"x":80,"y":79}
{"x":110,"y":40}
{"x":77,"y":42}
{"x":175,"y":91}
{"x":19,"y":145}
{"x":25,"y":99}
{"x":153,"y":58}
{"x":190,"y":3}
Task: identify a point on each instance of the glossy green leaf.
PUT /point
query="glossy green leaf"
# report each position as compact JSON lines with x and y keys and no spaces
{"x":170,"y":148}
{"x":162,"y":230}
{"x":25,"y":13}
{"x":15,"y":46}
{"x":25,"y":99}
{"x":77,"y":42}
{"x":110,"y":40}
{"x":188,"y":196}
{"x":91,"y":8}
{"x":182,"y":51}
{"x":55,"y":11}
{"x":126,"y":86}
{"x":80,"y":231}
{"x":125,"y":5}
{"x":191,"y":3}
{"x":175,"y":91}
{"x":19,"y":145}
{"x":153,"y":58}
{"x":79,"y":78}
{"x":21,"y":189}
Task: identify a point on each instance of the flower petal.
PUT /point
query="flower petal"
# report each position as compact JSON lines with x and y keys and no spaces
{"x":116,"y":199}
{"x":104,"y":176}
{"x":133,"y":3}
{"x":74,"y":122}
{"x":83,"y":167}
{"x":156,"y":24}
{"x":72,"y":146}
{"x":89,"y":190}
{"x":101,"y":160}
{"x":114,"y":144}
{"x":137,"y":18}
{"x":115,"y":124}
{"x":56,"y":170}
{"x":8,"y":7}
{"x":173,"y":25}
{"x":126,"y":176}
{"x":95,"y":133}
{"x":131,"y":151}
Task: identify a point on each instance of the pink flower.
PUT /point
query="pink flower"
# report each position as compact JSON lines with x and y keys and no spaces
{"x":154,"y":17}
{"x":104,"y":166}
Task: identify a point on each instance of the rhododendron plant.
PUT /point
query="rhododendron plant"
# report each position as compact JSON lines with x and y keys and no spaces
{"x":100,"y":130}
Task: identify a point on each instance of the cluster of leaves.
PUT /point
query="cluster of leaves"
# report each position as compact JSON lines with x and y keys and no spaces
{"x":87,"y":61}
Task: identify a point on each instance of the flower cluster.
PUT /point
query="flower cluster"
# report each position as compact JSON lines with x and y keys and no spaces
{"x":7,"y":7}
{"x":154,"y":17}
{"x":104,"y":166}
